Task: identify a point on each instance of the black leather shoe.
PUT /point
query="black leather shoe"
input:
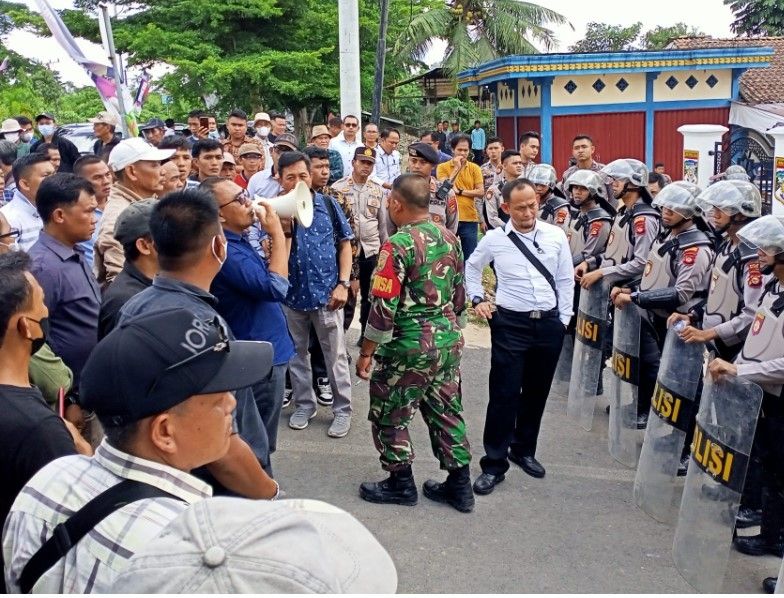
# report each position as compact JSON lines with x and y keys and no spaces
{"x":486,"y":482}
{"x":769,"y":585}
{"x":642,"y":421}
{"x":757,"y":546}
{"x":607,"y":410}
{"x":748,"y":518}
{"x":683,"y":466}
{"x":455,"y":491}
{"x":530,"y":465}
{"x":398,"y":489}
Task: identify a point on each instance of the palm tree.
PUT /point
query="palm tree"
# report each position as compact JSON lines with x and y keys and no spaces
{"x":478,"y":30}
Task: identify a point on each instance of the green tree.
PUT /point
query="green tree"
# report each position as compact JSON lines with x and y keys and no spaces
{"x":477,"y":31}
{"x":757,"y":17}
{"x":659,"y":37}
{"x":601,"y":37}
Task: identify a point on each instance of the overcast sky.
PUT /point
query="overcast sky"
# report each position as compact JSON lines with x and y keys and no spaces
{"x":710,"y":16}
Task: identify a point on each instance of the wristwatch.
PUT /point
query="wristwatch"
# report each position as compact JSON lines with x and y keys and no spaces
{"x":476,"y":301}
{"x":345,"y":283}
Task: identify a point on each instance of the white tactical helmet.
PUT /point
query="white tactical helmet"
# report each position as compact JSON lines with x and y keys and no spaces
{"x":680,"y":197}
{"x":628,"y":169}
{"x":588,"y":179}
{"x":543,"y":174}
{"x":736,"y":172}
{"x":733,"y":197}
{"x":766,"y":233}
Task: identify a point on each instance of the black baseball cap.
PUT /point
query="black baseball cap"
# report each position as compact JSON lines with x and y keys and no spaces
{"x":424,"y":151}
{"x":153,"y":123}
{"x":158,"y":360}
{"x":365,"y":153}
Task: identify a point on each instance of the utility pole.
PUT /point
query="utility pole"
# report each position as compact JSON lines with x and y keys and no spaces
{"x":381,"y":52}
{"x":348,"y":46}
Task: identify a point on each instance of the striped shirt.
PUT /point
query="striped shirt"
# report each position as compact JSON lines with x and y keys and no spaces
{"x":65,"y":485}
{"x":23,"y":216}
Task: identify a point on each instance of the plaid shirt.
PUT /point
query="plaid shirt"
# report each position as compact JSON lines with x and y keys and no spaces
{"x":61,"y":488}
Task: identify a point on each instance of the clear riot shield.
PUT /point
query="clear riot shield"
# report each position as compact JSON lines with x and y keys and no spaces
{"x":563,"y":370}
{"x":587,"y":358}
{"x":726,"y":422}
{"x":780,"y":582}
{"x":673,"y":409}
{"x":624,"y":439}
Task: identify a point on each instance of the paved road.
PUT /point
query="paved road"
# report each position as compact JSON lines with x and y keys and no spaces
{"x":576,"y":530}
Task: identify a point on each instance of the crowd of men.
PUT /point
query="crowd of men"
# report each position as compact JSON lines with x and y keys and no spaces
{"x":160,"y":315}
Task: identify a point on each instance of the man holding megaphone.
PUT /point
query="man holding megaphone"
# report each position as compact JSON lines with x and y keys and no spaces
{"x":319,"y":270}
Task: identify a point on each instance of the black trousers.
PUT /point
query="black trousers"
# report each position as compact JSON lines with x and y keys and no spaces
{"x":770,"y":430}
{"x":366,"y":267}
{"x":524,"y":355}
{"x":653,"y":330}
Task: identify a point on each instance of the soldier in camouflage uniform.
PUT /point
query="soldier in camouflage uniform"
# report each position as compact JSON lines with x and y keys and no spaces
{"x":418,"y":297}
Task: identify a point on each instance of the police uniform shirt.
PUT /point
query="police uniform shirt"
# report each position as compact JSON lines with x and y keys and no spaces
{"x":588,"y":233}
{"x":521,"y":287}
{"x":645,"y":228}
{"x":550,"y":211}
{"x":491,"y":209}
{"x":762,"y":358}
{"x":366,"y":206}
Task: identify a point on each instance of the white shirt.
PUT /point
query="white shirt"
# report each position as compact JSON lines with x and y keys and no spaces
{"x":346,"y":150}
{"x":264,"y":184}
{"x":64,"y":486}
{"x":23,"y":216}
{"x":520,"y":285}
{"x":387,"y":167}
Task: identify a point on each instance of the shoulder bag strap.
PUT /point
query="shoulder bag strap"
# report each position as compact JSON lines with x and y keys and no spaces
{"x":534,"y":262}
{"x":67,"y":534}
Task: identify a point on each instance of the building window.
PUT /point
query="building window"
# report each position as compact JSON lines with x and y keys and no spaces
{"x":622,"y":84}
{"x":711,"y":81}
{"x":671,"y":82}
{"x":570,"y":86}
{"x":691,"y":81}
{"x":598,"y":85}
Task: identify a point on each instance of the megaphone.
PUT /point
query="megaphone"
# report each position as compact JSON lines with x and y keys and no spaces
{"x":297,"y":203}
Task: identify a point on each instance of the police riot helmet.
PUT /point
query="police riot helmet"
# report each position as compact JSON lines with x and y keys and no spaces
{"x":680,"y":197}
{"x":588,"y":179}
{"x":736,"y":172}
{"x":543,"y":174}
{"x":766,"y":233}
{"x":733,"y":197}
{"x":632,"y":172}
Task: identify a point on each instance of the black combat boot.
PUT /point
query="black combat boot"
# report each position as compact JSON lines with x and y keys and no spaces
{"x":398,"y":489}
{"x":456,"y":490}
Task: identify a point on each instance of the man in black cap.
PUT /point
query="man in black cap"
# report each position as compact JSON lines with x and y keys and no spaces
{"x":161,"y":385}
{"x":443,"y":204}
{"x":153,"y":131}
{"x":132,"y":231}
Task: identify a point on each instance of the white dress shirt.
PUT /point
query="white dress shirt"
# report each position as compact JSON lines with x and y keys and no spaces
{"x":264,"y":184}
{"x":23,"y":216}
{"x":346,"y":150}
{"x":387,"y":167}
{"x":520,"y":285}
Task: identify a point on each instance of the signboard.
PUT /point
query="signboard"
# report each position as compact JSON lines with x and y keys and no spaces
{"x":778,"y":181}
{"x":691,"y":159}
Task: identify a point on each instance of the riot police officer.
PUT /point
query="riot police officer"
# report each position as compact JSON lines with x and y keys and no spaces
{"x":761,"y":360}
{"x":553,"y":206}
{"x":675,"y":279}
{"x":590,"y":227}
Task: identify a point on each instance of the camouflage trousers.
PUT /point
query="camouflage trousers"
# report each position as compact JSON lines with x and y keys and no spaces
{"x":432,"y":385}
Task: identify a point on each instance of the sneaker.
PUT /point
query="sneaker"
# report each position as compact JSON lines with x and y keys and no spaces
{"x":300,"y":419}
{"x":324,"y":391}
{"x":287,"y":393}
{"x":340,"y":426}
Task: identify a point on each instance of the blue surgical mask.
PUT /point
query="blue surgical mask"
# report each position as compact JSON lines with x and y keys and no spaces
{"x":213,"y":135}
{"x":46,"y":130}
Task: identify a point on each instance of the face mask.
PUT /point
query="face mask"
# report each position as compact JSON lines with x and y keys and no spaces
{"x":215,"y":255}
{"x":767,"y":270}
{"x":46,"y":130}
{"x":37,"y":343}
{"x":213,"y":135}
{"x":262,"y":131}
{"x":26,"y":137}
{"x":12,"y":137}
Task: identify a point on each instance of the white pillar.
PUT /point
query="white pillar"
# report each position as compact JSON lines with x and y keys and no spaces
{"x":778,"y":170}
{"x":699,"y":143}
{"x":348,"y":43}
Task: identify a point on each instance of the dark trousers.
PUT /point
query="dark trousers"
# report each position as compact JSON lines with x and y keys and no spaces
{"x":770,"y":430}
{"x":268,"y":395}
{"x":653,"y":329}
{"x":479,"y":156}
{"x":523,"y":358}
{"x":468,"y":233}
{"x":366,"y":267}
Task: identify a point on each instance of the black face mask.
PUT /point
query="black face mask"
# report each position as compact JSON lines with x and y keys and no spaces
{"x":37,"y":343}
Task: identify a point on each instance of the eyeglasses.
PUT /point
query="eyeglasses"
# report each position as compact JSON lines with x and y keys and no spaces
{"x":242,"y":198}
{"x":350,"y":125}
{"x":13,"y":233}
{"x":221,"y":346}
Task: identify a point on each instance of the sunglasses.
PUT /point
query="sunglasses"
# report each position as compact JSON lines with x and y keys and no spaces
{"x":242,"y":198}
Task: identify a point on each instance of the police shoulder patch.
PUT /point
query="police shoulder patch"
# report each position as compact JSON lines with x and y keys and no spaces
{"x":639,"y":225}
{"x":690,"y":255}
{"x":596,"y":228}
{"x":755,"y":276}
{"x":451,"y":204}
{"x":385,"y":282}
